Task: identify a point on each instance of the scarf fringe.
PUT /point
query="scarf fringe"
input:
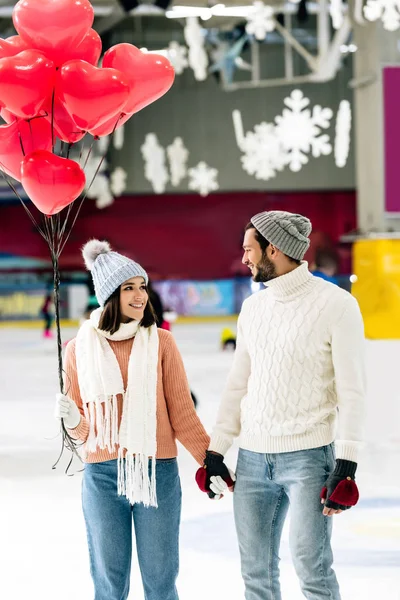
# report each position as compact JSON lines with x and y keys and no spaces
{"x":103,"y":412}
{"x":134,"y":481}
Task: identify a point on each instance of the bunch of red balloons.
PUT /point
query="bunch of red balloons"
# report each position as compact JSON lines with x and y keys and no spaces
{"x":50,"y":87}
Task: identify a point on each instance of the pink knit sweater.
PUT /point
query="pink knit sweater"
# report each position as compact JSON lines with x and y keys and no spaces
{"x":176,"y":416}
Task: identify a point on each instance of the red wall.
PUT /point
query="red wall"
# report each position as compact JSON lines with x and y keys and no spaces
{"x":180,"y":236}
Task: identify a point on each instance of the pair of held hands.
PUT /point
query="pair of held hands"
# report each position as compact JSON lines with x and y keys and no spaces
{"x":339,"y":492}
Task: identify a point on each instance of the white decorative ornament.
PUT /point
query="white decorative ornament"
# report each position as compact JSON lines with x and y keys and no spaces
{"x":342,"y":137}
{"x":105,"y":198}
{"x":118,"y":138}
{"x":118,"y":181}
{"x":263,"y":154}
{"x":299,"y":130}
{"x":336,"y":10}
{"x":155,"y":170}
{"x":260,"y":20}
{"x":178,"y":155}
{"x":177,"y":54}
{"x":103,"y":144}
{"x":387,"y":10}
{"x":203,"y":179}
{"x":198,"y":59}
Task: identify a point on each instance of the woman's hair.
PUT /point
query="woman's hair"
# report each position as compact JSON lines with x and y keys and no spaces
{"x":111,"y":317}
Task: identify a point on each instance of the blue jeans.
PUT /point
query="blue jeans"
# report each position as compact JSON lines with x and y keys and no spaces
{"x":266,"y":485}
{"x":109,"y":519}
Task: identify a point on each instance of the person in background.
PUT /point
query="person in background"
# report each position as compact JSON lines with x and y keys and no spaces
{"x":47,"y":312}
{"x":157,"y":305}
{"x":128,"y":400}
{"x":326,"y":265}
{"x":295,"y":397}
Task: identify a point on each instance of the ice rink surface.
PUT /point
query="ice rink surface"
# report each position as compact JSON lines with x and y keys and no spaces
{"x":43,"y":552}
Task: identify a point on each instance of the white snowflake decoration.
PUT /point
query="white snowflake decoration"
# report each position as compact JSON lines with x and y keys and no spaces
{"x":177,"y":54}
{"x":336,"y":10}
{"x":299,"y":130}
{"x":105,"y":198}
{"x":198,"y":59}
{"x":118,"y":181}
{"x":260,"y":20}
{"x":155,"y":170}
{"x":103,"y":143}
{"x":118,"y":137}
{"x":263,"y":152}
{"x":387,"y":10}
{"x":203,"y":179}
{"x":178,"y":156}
{"x":342,"y":137}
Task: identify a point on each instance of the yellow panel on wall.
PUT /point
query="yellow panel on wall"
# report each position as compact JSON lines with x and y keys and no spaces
{"x":377,"y":289}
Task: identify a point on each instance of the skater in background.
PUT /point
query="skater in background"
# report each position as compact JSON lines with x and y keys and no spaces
{"x":127,"y":398}
{"x":297,"y":378}
{"x":47,"y":313}
{"x":326,"y":265}
{"x":228,"y":339}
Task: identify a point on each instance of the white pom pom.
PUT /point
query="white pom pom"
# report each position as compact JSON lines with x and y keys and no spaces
{"x":91,"y":251}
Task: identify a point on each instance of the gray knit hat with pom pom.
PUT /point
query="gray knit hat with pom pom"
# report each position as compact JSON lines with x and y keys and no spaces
{"x":287,"y":231}
{"x":109,"y":269}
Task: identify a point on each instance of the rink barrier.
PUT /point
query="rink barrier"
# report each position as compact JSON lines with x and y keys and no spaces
{"x":72,"y":323}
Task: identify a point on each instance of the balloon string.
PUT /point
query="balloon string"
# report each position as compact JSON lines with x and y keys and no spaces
{"x":67,"y":441}
{"x":52,"y":119}
{"x":81,"y":202}
{"x":86,"y":192}
{"x":12,"y":187}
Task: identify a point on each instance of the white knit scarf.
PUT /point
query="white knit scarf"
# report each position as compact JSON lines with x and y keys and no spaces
{"x":100,"y":381}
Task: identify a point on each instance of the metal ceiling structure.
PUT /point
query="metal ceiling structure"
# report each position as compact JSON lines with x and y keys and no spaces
{"x":322,"y":65}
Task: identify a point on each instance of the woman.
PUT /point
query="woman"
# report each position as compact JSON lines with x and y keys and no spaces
{"x":128,"y":401}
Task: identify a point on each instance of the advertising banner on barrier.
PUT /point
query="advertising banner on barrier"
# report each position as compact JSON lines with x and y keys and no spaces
{"x":198,"y":298}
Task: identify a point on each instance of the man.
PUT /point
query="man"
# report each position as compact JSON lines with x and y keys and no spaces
{"x":297,"y":370}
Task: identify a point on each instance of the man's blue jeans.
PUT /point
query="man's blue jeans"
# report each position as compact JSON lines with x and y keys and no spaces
{"x":266,"y":484}
{"x":109,"y":520}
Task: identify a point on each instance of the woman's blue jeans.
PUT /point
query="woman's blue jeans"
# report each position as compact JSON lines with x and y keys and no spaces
{"x":109,"y":520}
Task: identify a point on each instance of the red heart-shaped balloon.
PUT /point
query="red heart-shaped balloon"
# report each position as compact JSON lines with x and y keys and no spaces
{"x":7,"y":115}
{"x":50,"y":181}
{"x":26,"y":83}
{"x":64,"y":127}
{"x":91,"y":95}
{"x":54,"y":26}
{"x":11,"y":46}
{"x":149,"y":76}
{"x":111,"y":125}
{"x":89,"y":49}
{"x":21,"y":138}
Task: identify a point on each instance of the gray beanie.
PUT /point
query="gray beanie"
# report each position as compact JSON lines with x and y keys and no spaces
{"x":109,"y":269}
{"x":287,"y":231}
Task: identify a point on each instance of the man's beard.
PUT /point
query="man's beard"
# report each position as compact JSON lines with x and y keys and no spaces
{"x":266,"y":270}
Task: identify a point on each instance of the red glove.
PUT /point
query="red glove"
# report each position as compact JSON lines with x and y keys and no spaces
{"x":214,"y":474}
{"x":340,"y":491}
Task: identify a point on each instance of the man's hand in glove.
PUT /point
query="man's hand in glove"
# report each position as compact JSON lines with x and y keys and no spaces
{"x":340,"y":491}
{"x":214,"y":477}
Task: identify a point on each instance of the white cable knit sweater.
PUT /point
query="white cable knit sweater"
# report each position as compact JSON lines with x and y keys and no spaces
{"x":297,"y":370}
